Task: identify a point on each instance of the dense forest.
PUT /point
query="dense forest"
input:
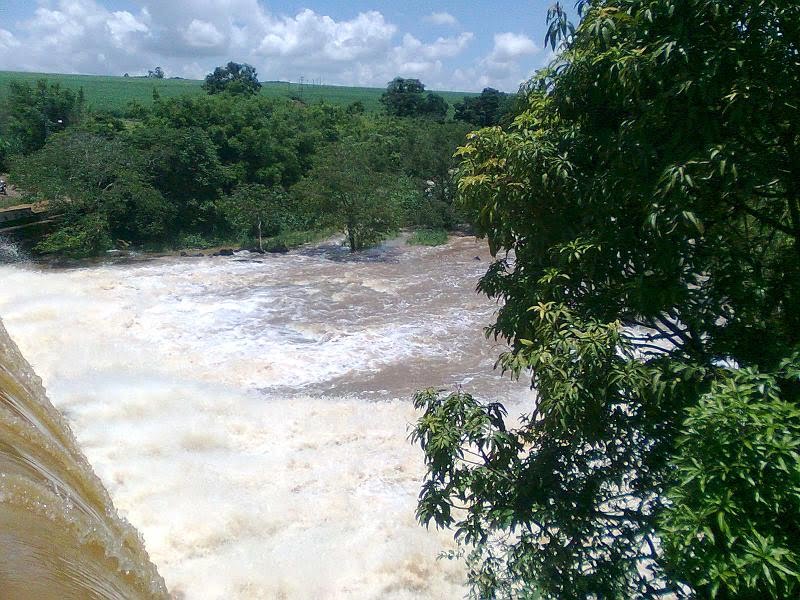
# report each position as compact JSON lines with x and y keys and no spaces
{"x":233,"y":167}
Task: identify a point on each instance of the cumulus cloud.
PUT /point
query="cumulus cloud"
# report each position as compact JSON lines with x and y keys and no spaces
{"x":321,"y":38}
{"x":122,"y":24}
{"x":441,"y":18}
{"x":511,"y":46}
{"x":189,"y":38}
{"x":202,"y":34}
{"x":513,"y":58}
{"x":7,"y":40}
{"x":74,"y":36}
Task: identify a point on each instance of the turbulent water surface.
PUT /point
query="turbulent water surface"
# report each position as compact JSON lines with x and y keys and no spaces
{"x":60,"y":537}
{"x":250,"y":415}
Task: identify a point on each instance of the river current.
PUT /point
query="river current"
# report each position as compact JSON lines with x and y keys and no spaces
{"x":249,"y":415}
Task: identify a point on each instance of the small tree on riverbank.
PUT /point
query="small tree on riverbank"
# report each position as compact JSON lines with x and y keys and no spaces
{"x":255,"y":209}
{"x":346,"y":189}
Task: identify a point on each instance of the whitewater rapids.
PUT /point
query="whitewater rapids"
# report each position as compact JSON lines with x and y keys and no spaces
{"x":249,"y":415}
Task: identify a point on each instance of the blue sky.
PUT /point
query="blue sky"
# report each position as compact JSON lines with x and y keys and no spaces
{"x":448,"y":44}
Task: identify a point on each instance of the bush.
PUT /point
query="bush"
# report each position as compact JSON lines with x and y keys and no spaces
{"x":427,"y":237}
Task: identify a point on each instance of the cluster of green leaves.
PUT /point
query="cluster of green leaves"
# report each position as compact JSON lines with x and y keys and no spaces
{"x":428,"y":237}
{"x":732,"y":526}
{"x":255,"y":209}
{"x":383,"y":174}
{"x":644,"y":212}
{"x":101,"y":191}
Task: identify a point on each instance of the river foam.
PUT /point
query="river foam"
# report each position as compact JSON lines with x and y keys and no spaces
{"x":250,"y":415}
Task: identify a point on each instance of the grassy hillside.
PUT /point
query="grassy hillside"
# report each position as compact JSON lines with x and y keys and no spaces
{"x":115,"y":93}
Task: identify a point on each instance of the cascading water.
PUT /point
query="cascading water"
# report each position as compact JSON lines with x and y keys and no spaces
{"x":60,"y":537}
{"x":250,"y":415}
{"x":10,"y":252}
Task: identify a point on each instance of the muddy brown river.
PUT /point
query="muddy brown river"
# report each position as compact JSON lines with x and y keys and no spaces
{"x":249,"y":415}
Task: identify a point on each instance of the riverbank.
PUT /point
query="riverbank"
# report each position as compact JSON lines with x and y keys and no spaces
{"x":291,"y":241}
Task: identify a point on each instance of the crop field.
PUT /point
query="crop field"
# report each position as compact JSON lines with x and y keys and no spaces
{"x":115,"y":94}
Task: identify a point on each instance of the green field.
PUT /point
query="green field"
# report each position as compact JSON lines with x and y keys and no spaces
{"x":116,"y":93}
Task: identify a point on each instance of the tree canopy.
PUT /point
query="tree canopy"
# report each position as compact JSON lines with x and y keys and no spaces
{"x":407,"y":98}
{"x":644,"y":212}
{"x":32,"y":113}
{"x":484,"y":110}
{"x":101,"y":190}
{"x":233,"y":78}
{"x":352,"y":185}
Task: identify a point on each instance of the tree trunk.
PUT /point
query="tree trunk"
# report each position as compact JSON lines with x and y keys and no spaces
{"x":351,"y":237}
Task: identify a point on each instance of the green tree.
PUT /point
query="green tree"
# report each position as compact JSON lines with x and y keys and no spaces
{"x":255,"y":209}
{"x":258,"y":140}
{"x":434,"y":107}
{"x":427,"y":152}
{"x":5,"y":152}
{"x":403,"y":97}
{"x":233,"y":78}
{"x":406,"y":98}
{"x":349,"y":188}
{"x":182,"y":164}
{"x":32,"y":113}
{"x":483,"y":111}
{"x":644,"y":211}
{"x":100,"y":190}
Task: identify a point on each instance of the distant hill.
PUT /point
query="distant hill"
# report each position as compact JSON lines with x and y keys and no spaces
{"x":115,"y":93}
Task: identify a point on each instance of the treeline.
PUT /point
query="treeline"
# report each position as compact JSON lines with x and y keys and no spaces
{"x":231,"y":167}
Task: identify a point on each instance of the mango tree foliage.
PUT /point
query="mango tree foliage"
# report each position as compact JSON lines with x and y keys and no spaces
{"x":732,"y":526}
{"x":644,"y":214}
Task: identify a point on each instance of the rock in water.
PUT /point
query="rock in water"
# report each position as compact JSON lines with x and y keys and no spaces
{"x":60,"y":536}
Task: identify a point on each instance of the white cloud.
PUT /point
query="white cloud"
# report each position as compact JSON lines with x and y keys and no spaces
{"x":441,"y":48}
{"x":7,"y":40}
{"x":75,"y":36}
{"x":191,"y":37}
{"x":510,"y":46}
{"x":513,"y":59}
{"x":202,"y":34}
{"x":122,"y":24}
{"x":320,"y":38}
{"x":414,"y":58}
{"x":441,"y":18}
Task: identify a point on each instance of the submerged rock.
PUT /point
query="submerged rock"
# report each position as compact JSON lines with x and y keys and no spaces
{"x":278,"y":249}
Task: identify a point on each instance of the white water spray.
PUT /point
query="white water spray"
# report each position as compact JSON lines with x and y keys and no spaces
{"x":250,"y":417}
